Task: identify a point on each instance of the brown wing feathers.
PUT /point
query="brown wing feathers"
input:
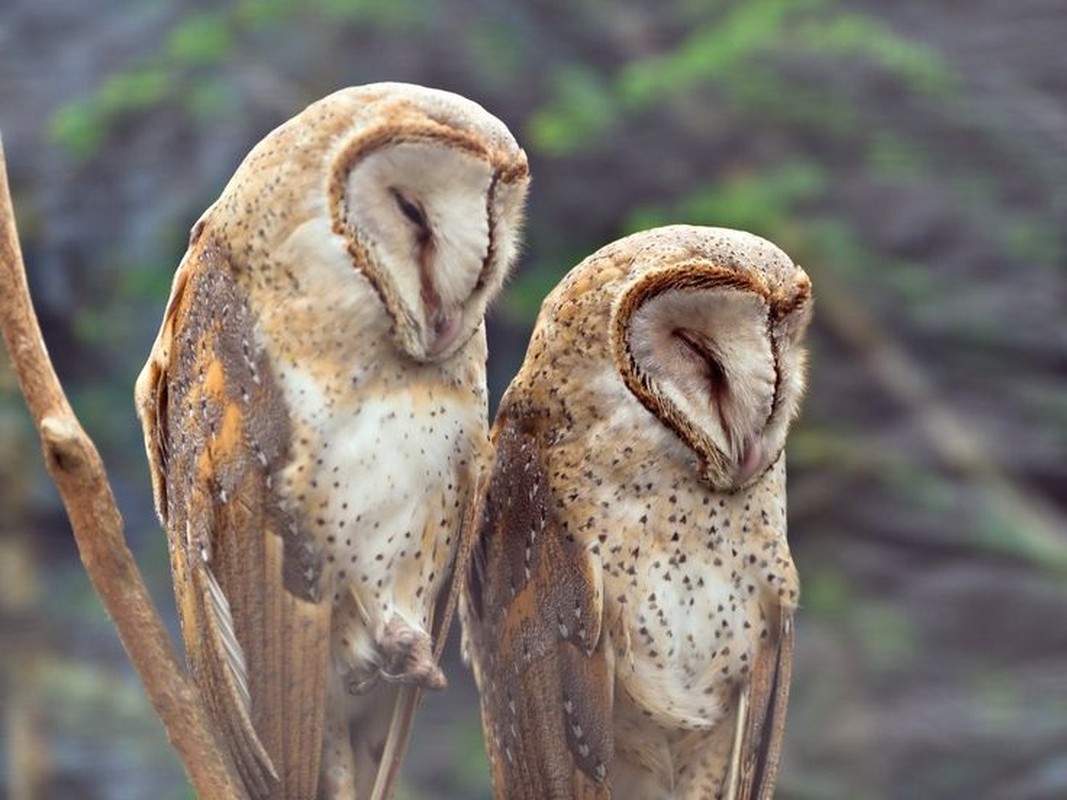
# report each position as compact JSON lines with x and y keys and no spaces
{"x":546,"y":682}
{"x":242,"y":575}
{"x":764,"y":729}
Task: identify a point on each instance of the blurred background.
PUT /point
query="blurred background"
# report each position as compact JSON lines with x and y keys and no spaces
{"x":911,"y":155}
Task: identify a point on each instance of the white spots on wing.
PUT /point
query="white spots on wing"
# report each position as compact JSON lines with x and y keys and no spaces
{"x":249,"y":359}
{"x":576,"y":729}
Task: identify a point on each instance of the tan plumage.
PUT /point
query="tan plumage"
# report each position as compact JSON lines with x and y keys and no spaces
{"x":630,"y":592}
{"x":314,"y":414}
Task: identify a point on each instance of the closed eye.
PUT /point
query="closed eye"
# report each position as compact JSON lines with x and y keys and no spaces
{"x":699,"y":346}
{"x":412,"y":211}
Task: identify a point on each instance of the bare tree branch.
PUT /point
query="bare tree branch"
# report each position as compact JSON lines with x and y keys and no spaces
{"x":79,"y":474}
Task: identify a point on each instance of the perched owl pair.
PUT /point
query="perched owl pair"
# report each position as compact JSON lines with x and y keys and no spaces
{"x":315,"y":409}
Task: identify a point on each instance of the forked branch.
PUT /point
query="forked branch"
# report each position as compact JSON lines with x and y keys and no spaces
{"x":79,"y":474}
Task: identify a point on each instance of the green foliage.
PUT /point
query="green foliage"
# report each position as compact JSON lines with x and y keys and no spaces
{"x":145,"y":283}
{"x":82,"y":126}
{"x":396,"y":15}
{"x":999,"y":531}
{"x":582,"y":110}
{"x":501,"y":55}
{"x":203,"y":39}
{"x":208,"y":99}
{"x":264,"y":13}
{"x":999,"y":702}
{"x":891,"y":157}
{"x":522,"y":299}
{"x":185,"y":71}
{"x":79,"y":127}
{"x":886,"y":635}
{"x":1031,"y":241}
{"x":740,"y":60}
{"x":714,"y":53}
{"x":737,"y":54}
{"x":855,"y":35}
{"x":826,"y":592}
{"x":133,"y":90}
{"x":756,"y":201}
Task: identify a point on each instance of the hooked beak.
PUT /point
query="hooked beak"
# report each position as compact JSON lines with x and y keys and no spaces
{"x":444,"y":327}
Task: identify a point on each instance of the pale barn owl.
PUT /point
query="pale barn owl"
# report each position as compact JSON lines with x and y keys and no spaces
{"x":630,"y":595}
{"x":314,"y":411}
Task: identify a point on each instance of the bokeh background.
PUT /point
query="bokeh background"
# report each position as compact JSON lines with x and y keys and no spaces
{"x":911,"y":155}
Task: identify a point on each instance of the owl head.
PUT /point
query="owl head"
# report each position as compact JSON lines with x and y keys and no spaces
{"x":418,"y":191}
{"x":704,"y":327}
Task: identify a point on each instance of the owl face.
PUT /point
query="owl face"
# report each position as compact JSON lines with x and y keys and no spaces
{"x":721,"y":357}
{"x":437,"y":225}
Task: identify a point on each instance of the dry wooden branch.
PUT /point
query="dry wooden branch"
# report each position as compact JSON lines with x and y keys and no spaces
{"x":79,"y":474}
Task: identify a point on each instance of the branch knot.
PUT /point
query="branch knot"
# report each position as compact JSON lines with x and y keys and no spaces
{"x":65,"y":447}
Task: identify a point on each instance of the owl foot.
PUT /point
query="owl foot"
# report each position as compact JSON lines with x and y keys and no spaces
{"x":407,"y":656}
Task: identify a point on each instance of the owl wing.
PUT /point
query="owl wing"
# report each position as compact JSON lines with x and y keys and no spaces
{"x":532,"y":614}
{"x":216,"y":430}
{"x":761,"y":720}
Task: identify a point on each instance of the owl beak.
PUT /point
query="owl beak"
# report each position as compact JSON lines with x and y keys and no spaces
{"x":444,"y":328}
{"x":442,"y":321}
{"x":749,"y":462}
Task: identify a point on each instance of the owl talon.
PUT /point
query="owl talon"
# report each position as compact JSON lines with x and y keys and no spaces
{"x":407,"y":656}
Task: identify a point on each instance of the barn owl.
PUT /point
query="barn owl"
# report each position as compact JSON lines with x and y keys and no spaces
{"x":314,"y":411}
{"x":630,"y":591}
